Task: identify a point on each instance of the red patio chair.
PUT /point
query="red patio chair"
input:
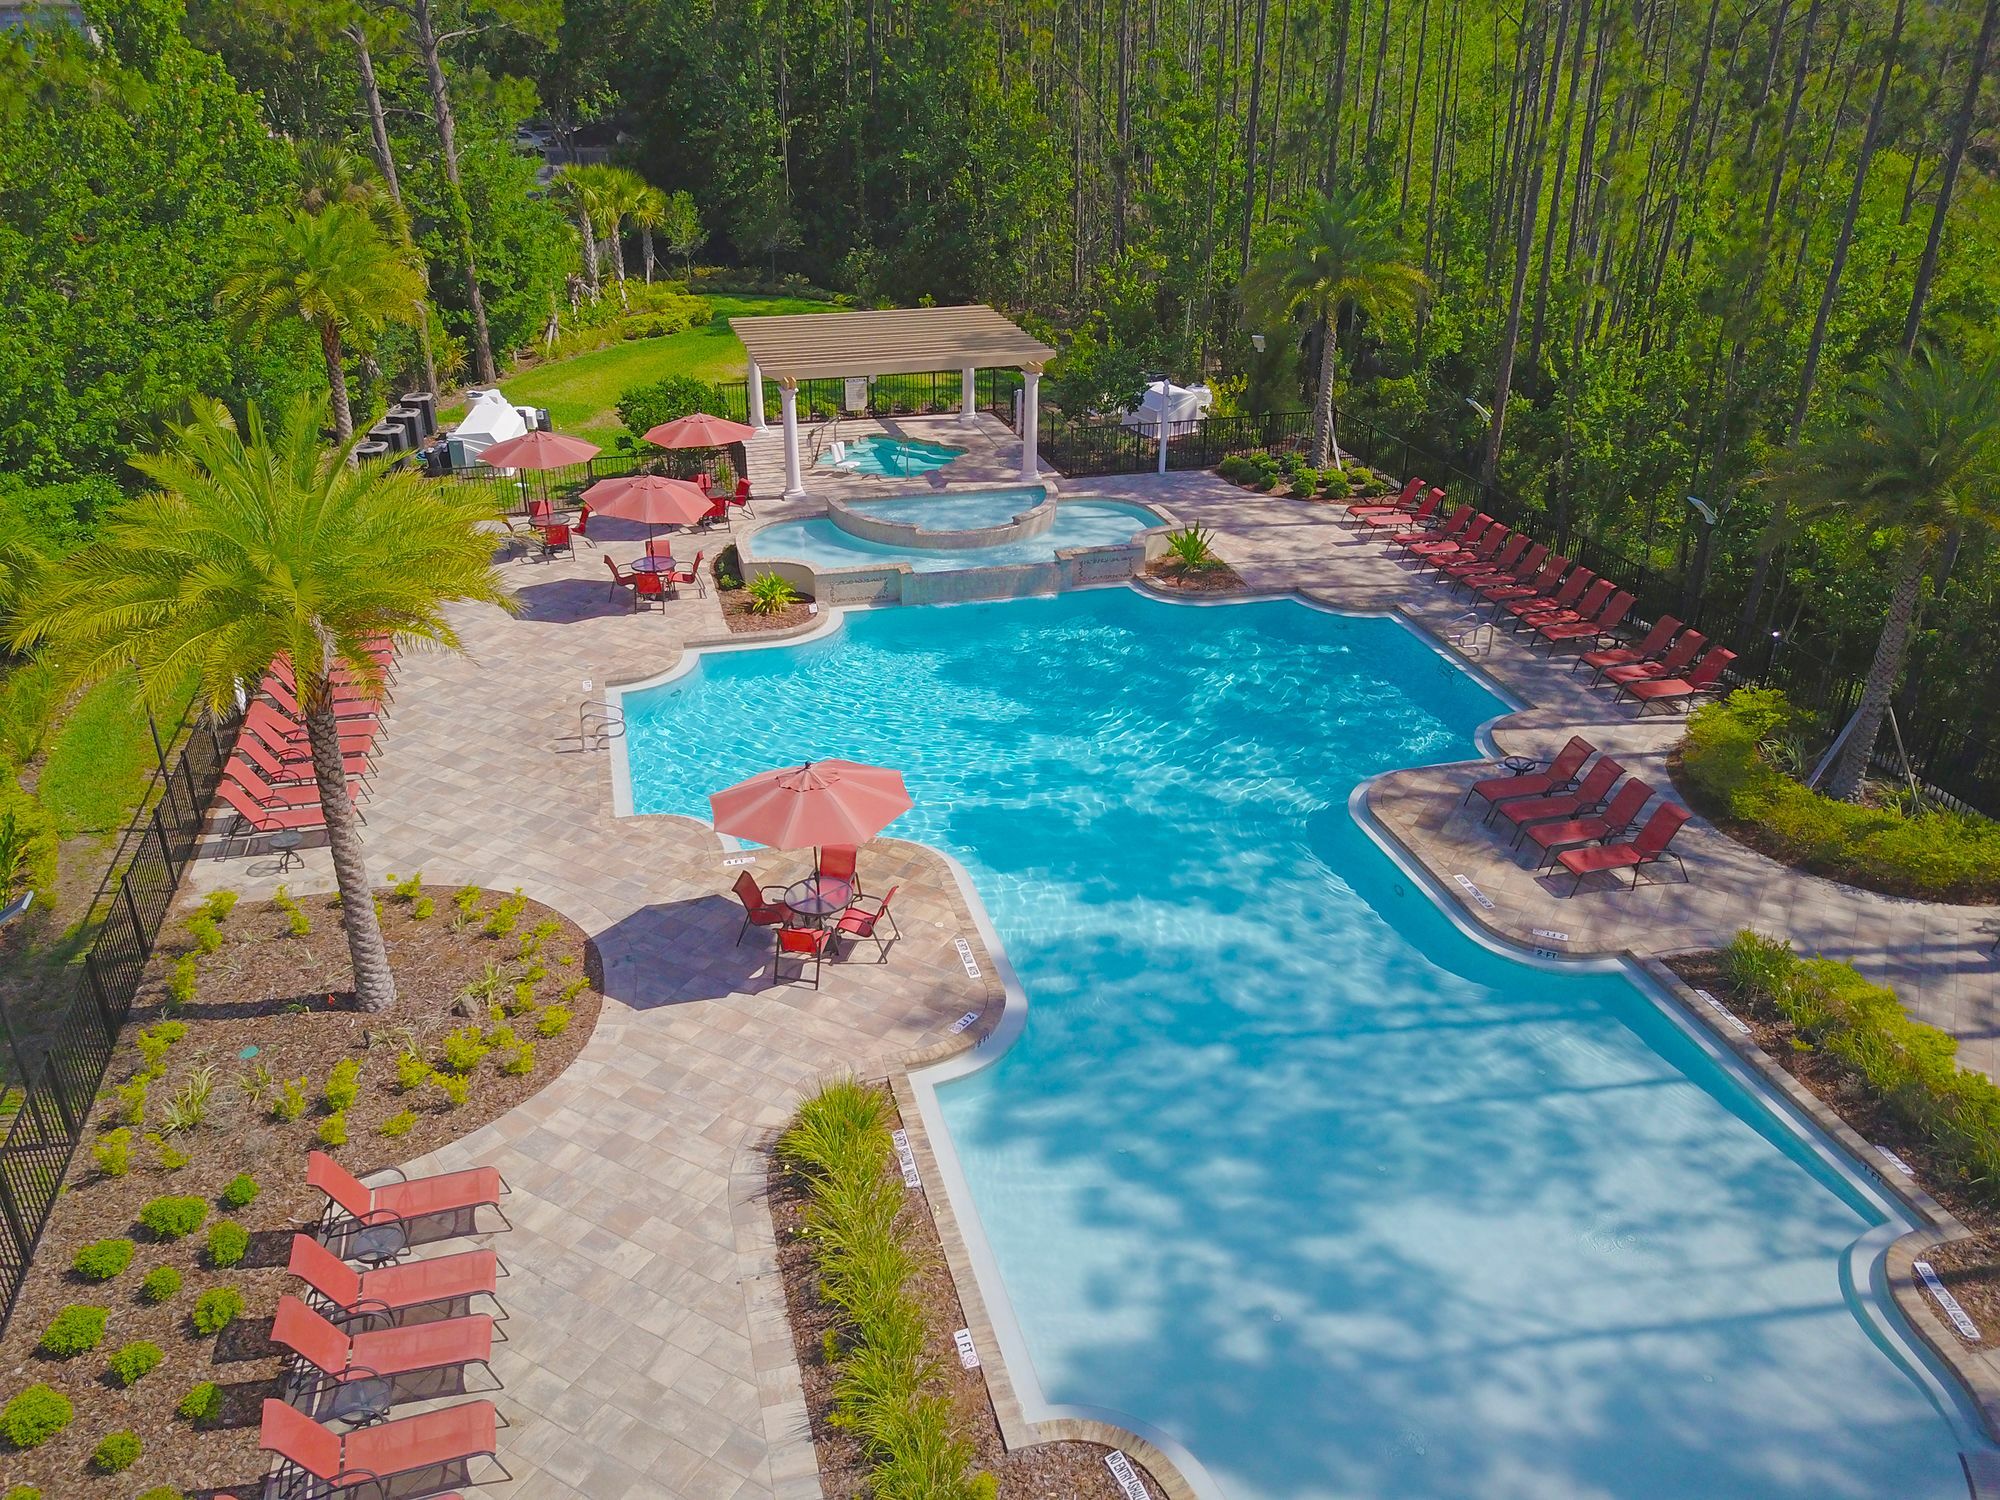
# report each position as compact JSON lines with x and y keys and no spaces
{"x":719,"y":511}
{"x":1560,"y":775}
{"x":620,"y":580}
{"x":759,"y":909}
{"x":349,"y":1295}
{"x":1705,"y":678}
{"x":1646,"y":847}
{"x":317,"y":1464}
{"x":240,"y":771}
{"x":1422,"y":515}
{"x":1654,"y":643}
{"x":1619,"y":815}
{"x":858,"y":923}
{"x":345,"y":706}
{"x":1602,"y":624}
{"x":740,"y":499}
{"x":706,"y":479}
{"x":648,"y":586}
{"x":1527,"y":567}
{"x":286,"y":737}
{"x":806,"y":945}
{"x":1590,"y":796}
{"x":1540,"y":584}
{"x":1590,"y":603}
{"x":555,"y":537}
{"x":252,"y":819}
{"x":1671,"y":663}
{"x":660,"y":546}
{"x":282,"y":772}
{"x":583,"y":519}
{"x":1406,"y":501}
{"x":328,"y":1358}
{"x":837,"y":862}
{"x":350,"y":1204}
{"x":1454,"y":526}
{"x":691,"y":575}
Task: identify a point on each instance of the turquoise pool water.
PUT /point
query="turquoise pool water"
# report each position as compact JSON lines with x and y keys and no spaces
{"x":956,"y":510}
{"x":890,"y":457}
{"x":1079,"y":523}
{"x":1284,"y":1165}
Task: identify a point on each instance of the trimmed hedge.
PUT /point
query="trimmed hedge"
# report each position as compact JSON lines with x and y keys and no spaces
{"x":1911,"y":1067}
{"x":35,"y":1415}
{"x":1729,"y":757}
{"x":886,"y":1389}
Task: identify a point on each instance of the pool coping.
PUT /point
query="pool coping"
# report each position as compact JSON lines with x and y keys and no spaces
{"x":1967,"y":1387}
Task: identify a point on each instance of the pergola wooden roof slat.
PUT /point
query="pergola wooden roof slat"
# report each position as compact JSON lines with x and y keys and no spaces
{"x":886,"y":341}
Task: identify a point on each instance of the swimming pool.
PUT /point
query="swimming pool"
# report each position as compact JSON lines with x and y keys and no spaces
{"x":823,"y":545}
{"x":889,"y":457}
{"x":956,"y":510}
{"x":1283,"y":1165}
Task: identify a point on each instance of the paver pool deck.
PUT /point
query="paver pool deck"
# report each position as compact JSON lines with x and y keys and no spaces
{"x":649,"y":1353}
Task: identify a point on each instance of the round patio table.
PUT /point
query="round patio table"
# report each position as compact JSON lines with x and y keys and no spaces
{"x":818,"y":897}
{"x":1519,"y":765}
{"x":651,"y":564}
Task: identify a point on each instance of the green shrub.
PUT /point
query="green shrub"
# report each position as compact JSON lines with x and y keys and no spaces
{"x":522,"y":1000}
{"x":130,"y":1100}
{"x":728,"y":568}
{"x":770,"y":595}
{"x":423,"y":909}
{"x":163,"y":1492}
{"x":101,"y":1260}
{"x":135,"y":1361}
{"x":162,"y":1284}
{"x":332,"y":1131}
{"x":170,"y":1218}
{"x":504,"y":918}
{"x":1338,"y":486}
{"x":413,"y":1069}
{"x":407,"y":891}
{"x":203,"y":1403}
{"x":1731,"y":759}
{"x":520,"y":1061}
{"x":181,"y":981}
{"x":189,"y":1107}
{"x":297,"y":923}
{"x":117,"y":1453}
{"x":398,"y":1125}
{"x":1191,"y":548}
{"x":77,"y":1329}
{"x":456,"y":1088}
{"x":647,"y":406}
{"x":343,"y":1086}
{"x":216,"y":1308}
{"x":112,"y":1152}
{"x":167,"y":1156}
{"x":241,"y":1191}
{"x":28,"y":840}
{"x":206,"y":933}
{"x":570,"y":990}
{"x":228,"y":1243}
{"x":219,"y":904}
{"x":553,"y":1021}
{"x":34,"y":1416}
{"x":463,"y":1049}
{"x":289,"y":1102}
{"x":27,"y":1492}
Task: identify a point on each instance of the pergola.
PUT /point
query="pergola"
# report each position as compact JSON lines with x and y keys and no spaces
{"x":889,"y":341}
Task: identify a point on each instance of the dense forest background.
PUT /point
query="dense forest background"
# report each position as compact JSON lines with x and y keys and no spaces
{"x":1660,"y":235}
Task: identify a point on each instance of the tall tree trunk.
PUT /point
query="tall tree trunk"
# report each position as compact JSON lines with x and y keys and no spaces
{"x":1869,"y":136}
{"x":1954,"y":154}
{"x":374,"y":983}
{"x":336,"y":381}
{"x":1324,"y":437}
{"x":1851,"y":766}
{"x":616,"y":250}
{"x":424,"y":24}
{"x":588,"y":231}
{"x":371,"y":101}
{"x":1250,"y":133}
{"x":646,"y":250}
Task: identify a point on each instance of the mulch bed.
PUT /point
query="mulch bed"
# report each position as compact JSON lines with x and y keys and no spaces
{"x":1218,"y":578}
{"x":1068,"y":1470}
{"x":742,"y":620}
{"x":1970,"y":1267}
{"x":284,"y":997}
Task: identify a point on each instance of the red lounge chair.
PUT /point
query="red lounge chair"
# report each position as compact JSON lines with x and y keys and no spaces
{"x":1454,"y":525}
{"x":1477,"y":554}
{"x":1675,"y":661}
{"x":1522,"y":571}
{"x":1606,"y":620}
{"x":759,"y":909}
{"x":1407,"y":501}
{"x":349,"y":1295}
{"x":344,"y":707}
{"x":316,"y":1464}
{"x":1502,"y":561}
{"x":341,"y":1359}
{"x":1590,"y":796}
{"x":1561,"y":773}
{"x":1424,"y":514}
{"x":1571,"y":833}
{"x":1572,"y":589}
{"x":674,"y":579}
{"x":1655,"y":642}
{"x":837,"y":862}
{"x":807,"y":945}
{"x":339,"y":673}
{"x":297,"y":771}
{"x":351,"y":1205}
{"x":1646,"y":847}
{"x":859,"y":923}
{"x":1591,"y":602}
{"x":1705,"y":678}
{"x":1462,"y":547}
{"x":252,"y":819}
{"x":240,"y":771}
{"x":1541,"y":583}
{"x":286,"y":738}
{"x":623,"y":581}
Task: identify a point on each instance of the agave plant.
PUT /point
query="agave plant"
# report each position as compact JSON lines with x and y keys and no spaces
{"x":1192,"y":548}
{"x":770,"y":594}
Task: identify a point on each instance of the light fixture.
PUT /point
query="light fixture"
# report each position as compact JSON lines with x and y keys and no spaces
{"x":1257,"y":342}
{"x":1701,"y":506}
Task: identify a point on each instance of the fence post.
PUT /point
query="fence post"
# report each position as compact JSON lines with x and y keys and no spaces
{"x":166,"y":849}
{"x":98,"y":993}
{"x":132,"y":909}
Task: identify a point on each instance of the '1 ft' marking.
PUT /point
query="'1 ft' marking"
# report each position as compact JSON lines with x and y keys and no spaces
{"x":967,"y":1355}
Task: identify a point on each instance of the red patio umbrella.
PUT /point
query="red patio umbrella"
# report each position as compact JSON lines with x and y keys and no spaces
{"x":539,"y":450}
{"x":651,"y":499}
{"x":699,"y":431}
{"x":822,"y":802}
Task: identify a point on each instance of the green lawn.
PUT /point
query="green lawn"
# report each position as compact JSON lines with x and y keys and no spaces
{"x":581,"y":394}
{"x":98,"y":760}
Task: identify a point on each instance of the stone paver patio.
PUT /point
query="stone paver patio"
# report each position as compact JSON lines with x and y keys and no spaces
{"x":649,"y":1353}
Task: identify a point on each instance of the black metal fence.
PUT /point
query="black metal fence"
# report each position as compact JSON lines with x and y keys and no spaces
{"x":60,"y":1065}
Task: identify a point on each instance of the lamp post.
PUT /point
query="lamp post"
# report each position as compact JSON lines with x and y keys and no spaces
{"x":1697,"y":575}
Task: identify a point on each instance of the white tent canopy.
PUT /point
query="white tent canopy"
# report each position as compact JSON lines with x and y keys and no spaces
{"x":489,"y":418}
{"x":1176,"y":403}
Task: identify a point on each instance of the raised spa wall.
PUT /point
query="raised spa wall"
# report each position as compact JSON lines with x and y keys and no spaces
{"x":855,"y":520}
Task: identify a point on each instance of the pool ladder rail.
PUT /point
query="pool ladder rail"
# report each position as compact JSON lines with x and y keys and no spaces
{"x":1471,"y":633}
{"x":598,"y":724}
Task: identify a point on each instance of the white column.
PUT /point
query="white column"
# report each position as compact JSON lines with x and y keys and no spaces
{"x":756,"y":396}
{"x":788,"y":398}
{"x":1031,"y":417}
{"x":968,"y":395}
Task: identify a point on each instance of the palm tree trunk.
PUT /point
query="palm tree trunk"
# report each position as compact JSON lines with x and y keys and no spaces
{"x":617,"y":249}
{"x":589,"y":232}
{"x":336,"y":380}
{"x":1323,"y":437}
{"x":1890,"y":651}
{"x":646,"y":249}
{"x":374,"y":984}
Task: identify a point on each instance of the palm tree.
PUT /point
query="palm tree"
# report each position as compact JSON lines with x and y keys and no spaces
{"x":1342,"y":257}
{"x":620,"y":193}
{"x":335,"y":269}
{"x":1917,"y":455}
{"x":649,"y":212}
{"x":260,"y":542}
{"x":329,"y":173}
{"x":577,"y":190}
